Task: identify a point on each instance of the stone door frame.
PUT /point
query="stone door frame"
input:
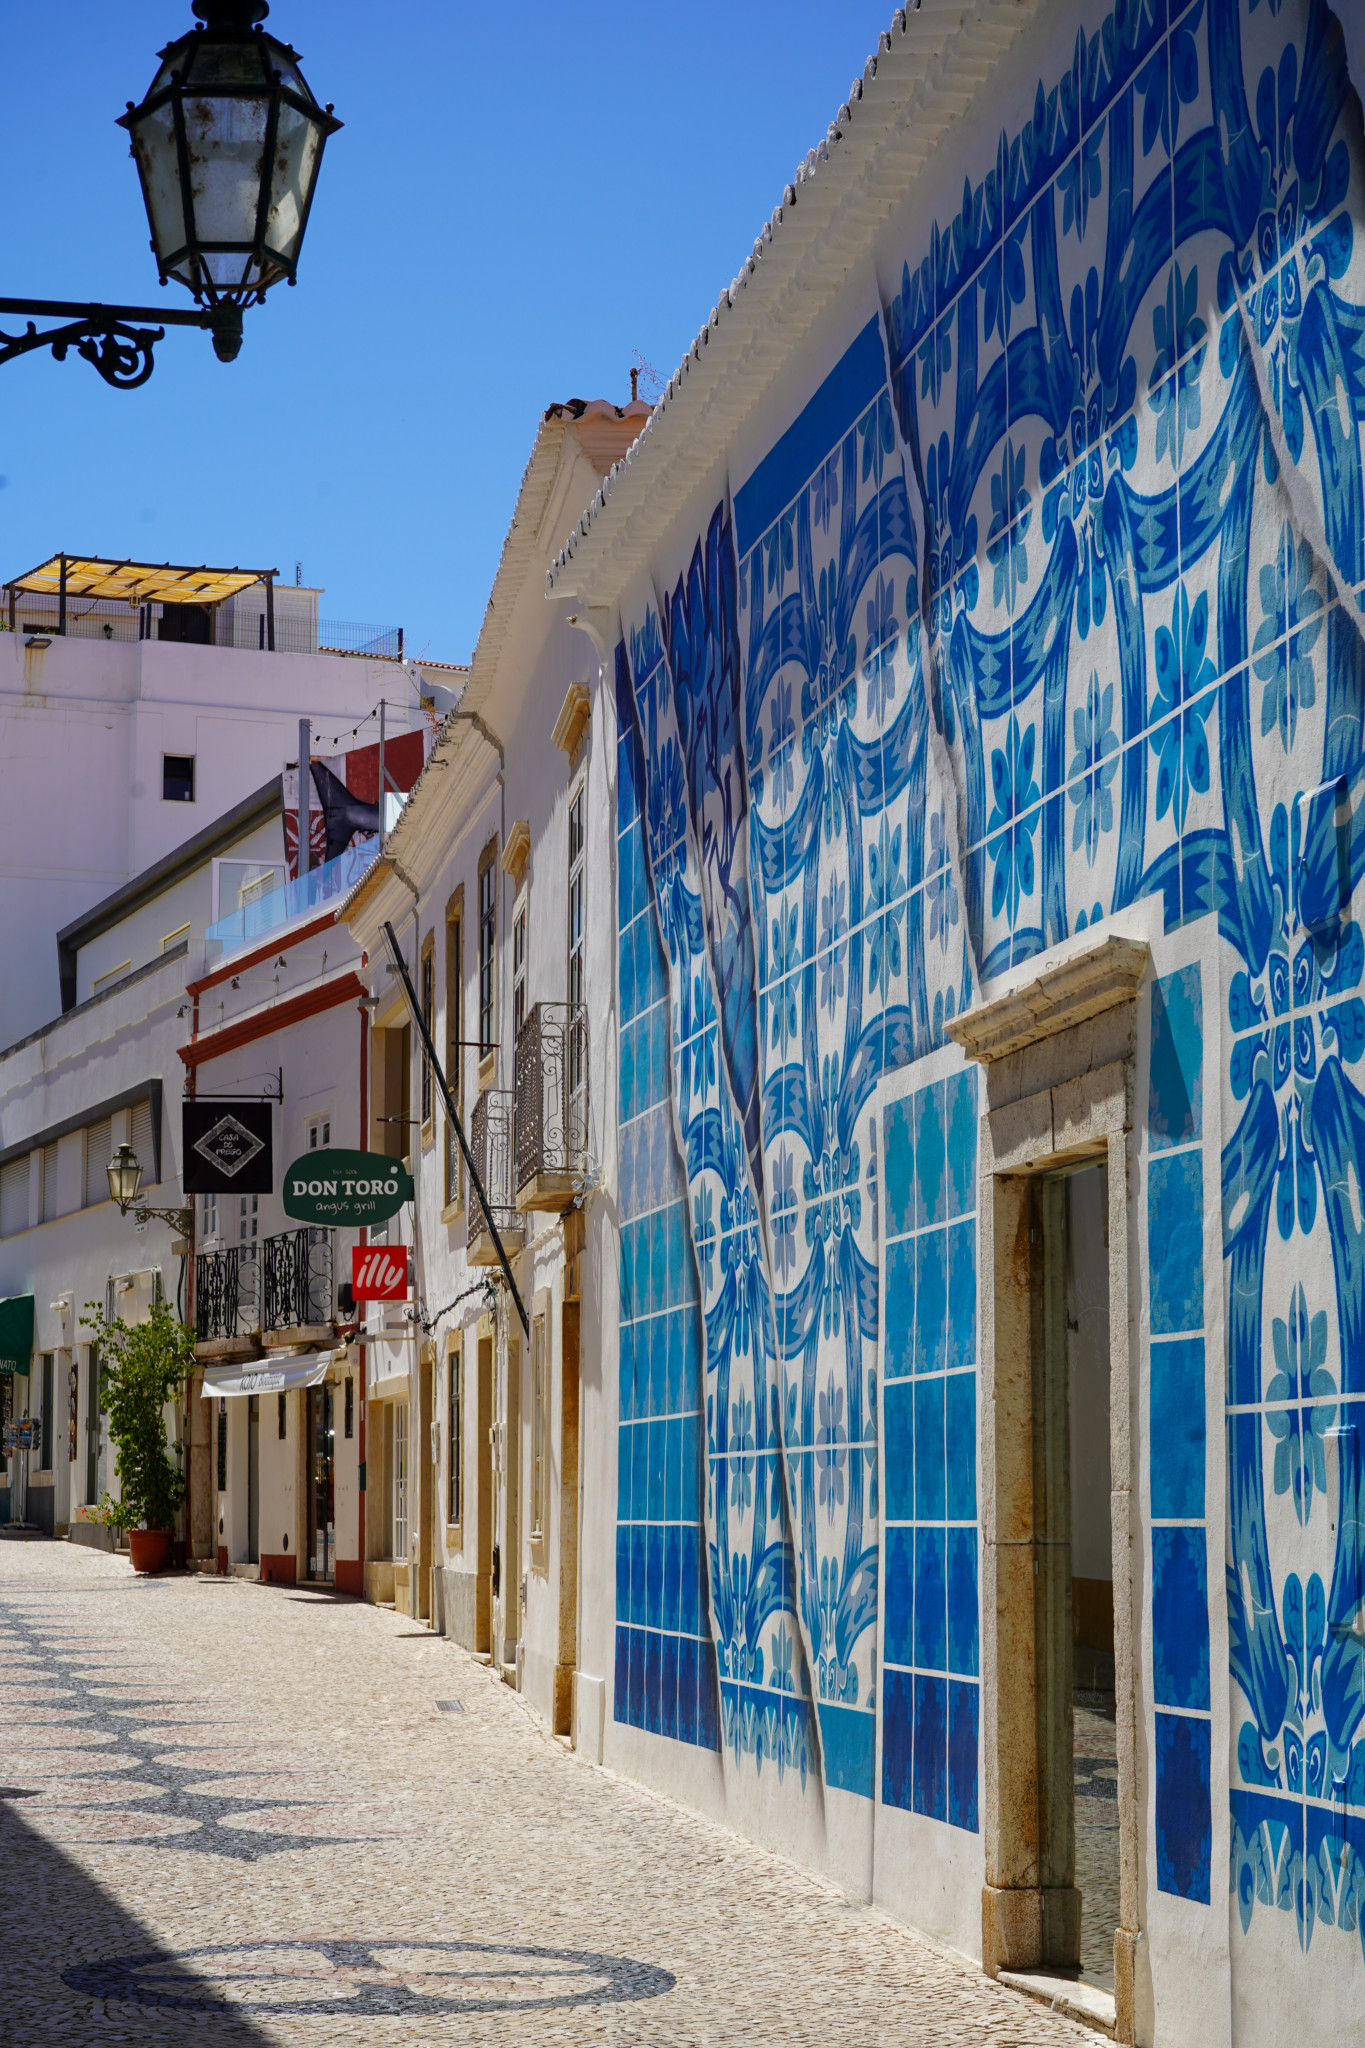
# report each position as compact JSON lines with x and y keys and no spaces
{"x":1058,"y":1053}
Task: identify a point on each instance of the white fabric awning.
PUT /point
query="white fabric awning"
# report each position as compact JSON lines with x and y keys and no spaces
{"x":268,"y":1375}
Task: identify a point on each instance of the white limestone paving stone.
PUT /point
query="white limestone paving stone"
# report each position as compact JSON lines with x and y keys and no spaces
{"x":534,"y":1899}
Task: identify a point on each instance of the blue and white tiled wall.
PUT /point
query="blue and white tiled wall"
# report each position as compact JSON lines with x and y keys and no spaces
{"x":665,"y":1679}
{"x":931,"y":1693}
{"x":1079,"y":514}
{"x":1177,"y":1437}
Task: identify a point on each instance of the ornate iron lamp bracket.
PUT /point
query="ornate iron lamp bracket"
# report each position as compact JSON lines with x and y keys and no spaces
{"x":109,"y":339}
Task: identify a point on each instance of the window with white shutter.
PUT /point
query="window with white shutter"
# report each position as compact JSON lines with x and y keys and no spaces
{"x":14,"y":1196}
{"x":140,"y":1137}
{"x":99,"y":1150}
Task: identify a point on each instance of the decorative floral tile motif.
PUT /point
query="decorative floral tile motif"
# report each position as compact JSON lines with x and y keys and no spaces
{"x":665,"y":1674}
{"x":1098,"y":547}
{"x":754,"y":1596}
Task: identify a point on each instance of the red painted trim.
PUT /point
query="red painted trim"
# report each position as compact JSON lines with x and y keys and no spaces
{"x":279,"y":1568}
{"x":309,"y":1002}
{"x":239,"y":961}
{"x":349,"y":1575}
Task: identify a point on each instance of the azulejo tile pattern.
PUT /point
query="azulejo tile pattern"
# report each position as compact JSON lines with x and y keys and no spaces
{"x":1049,"y":600}
{"x":665,"y":1678}
{"x":931,"y":1694}
{"x":1180,"y":1575}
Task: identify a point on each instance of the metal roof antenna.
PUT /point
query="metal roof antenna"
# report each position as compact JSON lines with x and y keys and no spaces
{"x":634,"y":383}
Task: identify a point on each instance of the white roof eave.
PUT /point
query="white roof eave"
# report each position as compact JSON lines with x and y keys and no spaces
{"x":928,"y":68}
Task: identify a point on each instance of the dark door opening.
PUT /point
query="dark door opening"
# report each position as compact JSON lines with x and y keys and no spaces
{"x":253,"y":1479}
{"x":1077,"y":1743}
{"x":321,"y":1500}
{"x":92,"y":1431}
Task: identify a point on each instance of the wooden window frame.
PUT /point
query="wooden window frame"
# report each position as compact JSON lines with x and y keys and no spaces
{"x":488,"y":960}
{"x":426,"y":1080}
{"x":452,"y":1168}
{"x":455,"y":1442}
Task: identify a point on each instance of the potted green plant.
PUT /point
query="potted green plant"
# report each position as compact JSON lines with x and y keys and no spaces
{"x":142,"y":1367}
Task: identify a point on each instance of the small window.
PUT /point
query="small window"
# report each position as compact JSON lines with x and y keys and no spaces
{"x":454,"y":1438}
{"x":454,"y":1049}
{"x":248,"y":1219}
{"x":208,"y":1219}
{"x":577,"y":1075}
{"x":177,"y":778}
{"x":14,"y":1196}
{"x":428,"y":999}
{"x":283,"y":1414}
{"x":110,"y":976}
{"x":49,"y":1183}
{"x":142,"y":1136}
{"x":319,"y":1133}
{"x":182,"y":931}
{"x":488,"y":935}
{"x":519,"y":971}
{"x":99,"y":1150}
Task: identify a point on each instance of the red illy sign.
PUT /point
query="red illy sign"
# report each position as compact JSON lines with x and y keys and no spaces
{"x":378,"y":1274}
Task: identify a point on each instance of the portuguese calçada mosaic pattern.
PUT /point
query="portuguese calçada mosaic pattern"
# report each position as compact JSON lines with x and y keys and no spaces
{"x":1048,"y":602}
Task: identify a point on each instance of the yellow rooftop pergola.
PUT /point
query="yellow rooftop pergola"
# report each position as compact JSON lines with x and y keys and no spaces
{"x":135,"y":583}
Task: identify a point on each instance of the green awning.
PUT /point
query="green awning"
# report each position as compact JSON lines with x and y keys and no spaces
{"x":16,"y":1333}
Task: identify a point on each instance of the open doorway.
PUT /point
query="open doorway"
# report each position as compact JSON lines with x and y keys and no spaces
{"x":321,"y":1441}
{"x":252,"y":1479}
{"x":1077,"y":1727}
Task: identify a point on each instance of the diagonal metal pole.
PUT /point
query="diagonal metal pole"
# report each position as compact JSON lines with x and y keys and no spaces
{"x":401,"y":969}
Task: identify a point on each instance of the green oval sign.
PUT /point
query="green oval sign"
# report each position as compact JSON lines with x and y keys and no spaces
{"x":345,"y":1187}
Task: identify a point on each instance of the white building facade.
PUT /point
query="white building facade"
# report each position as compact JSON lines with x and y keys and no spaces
{"x":137,"y":740}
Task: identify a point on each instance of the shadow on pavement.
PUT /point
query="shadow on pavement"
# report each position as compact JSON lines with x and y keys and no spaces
{"x":60,"y":1925}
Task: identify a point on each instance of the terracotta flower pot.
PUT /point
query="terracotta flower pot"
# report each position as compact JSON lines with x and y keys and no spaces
{"x":150,"y":1549}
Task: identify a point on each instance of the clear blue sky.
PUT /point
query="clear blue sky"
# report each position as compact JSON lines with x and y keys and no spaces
{"x":521,"y":197}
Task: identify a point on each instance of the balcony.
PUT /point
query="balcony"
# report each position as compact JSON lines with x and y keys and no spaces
{"x":552,"y":1106}
{"x":227,"y":1302}
{"x":267,"y":912}
{"x":491,"y":1142}
{"x":279,"y":1291}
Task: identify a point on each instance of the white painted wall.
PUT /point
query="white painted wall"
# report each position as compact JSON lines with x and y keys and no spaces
{"x":83,"y":727}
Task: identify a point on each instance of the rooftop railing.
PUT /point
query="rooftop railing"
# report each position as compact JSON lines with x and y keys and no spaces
{"x":295,"y":633}
{"x":263,"y":914}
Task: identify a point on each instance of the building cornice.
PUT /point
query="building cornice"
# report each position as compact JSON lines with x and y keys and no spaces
{"x":932,"y":63}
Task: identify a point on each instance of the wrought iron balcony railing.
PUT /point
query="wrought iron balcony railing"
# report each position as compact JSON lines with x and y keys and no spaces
{"x":227,"y":1293}
{"x":491,"y":1142}
{"x":552,"y":1106}
{"x":297,"y":1269}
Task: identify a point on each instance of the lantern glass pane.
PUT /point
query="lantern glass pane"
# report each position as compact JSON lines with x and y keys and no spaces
{"x":226,"y":139}
{"x":225,"y":64}
{"x":154,"y":148}
{"x":298,"y":143}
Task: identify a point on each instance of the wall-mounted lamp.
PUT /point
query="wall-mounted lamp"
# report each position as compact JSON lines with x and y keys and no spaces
{"x":38,"y":640}
{"x":125,"y":1178}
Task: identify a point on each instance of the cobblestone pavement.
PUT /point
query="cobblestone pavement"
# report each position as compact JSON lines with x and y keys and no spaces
{"x":235,"y":1815}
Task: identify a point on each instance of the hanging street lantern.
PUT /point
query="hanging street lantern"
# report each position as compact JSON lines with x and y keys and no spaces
{"x":125,"y":1178}
{"x":228,"y":143}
